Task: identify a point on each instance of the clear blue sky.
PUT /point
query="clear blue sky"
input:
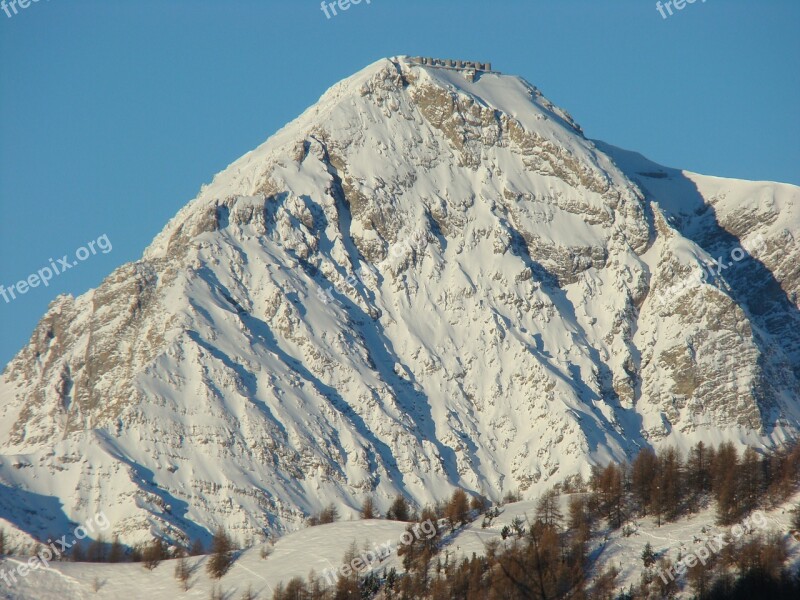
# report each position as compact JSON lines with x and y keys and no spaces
{"x":113,"y":113}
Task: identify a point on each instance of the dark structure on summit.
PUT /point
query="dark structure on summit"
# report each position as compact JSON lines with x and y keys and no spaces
{"x":447,"y":63}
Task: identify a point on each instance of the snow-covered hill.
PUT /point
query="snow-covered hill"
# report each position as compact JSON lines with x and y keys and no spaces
{"x":431,"y":279}
{"x":321,"y":550}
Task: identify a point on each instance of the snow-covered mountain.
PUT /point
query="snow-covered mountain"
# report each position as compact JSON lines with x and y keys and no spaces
{"x":431,"y":279}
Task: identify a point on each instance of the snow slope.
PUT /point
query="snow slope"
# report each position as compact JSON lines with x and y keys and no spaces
{"x":321,"y":548}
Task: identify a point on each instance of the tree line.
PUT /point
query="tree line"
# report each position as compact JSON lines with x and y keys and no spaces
{"x":666,"y":486}
{"x":547,"y":555}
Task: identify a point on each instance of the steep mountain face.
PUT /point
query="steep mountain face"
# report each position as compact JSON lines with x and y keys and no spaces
{"x":431,"y":279}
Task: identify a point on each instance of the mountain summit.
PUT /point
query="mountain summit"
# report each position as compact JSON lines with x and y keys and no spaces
{"x":431,"y":279}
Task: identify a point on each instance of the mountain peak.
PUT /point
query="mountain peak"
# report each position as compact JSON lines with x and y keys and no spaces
{"x":430,"y":279}
{"x":375,"y":107}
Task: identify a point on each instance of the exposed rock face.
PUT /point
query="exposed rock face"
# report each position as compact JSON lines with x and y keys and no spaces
{"x":423,"y":282}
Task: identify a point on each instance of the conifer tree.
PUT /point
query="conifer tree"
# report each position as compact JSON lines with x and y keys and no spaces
{"x":183,"y":573}
{"x":221,"y":554}
{"x":642,"y":472}
{"x":698,"y":470}
{"x":457,"y":510}
{"x":648,"y":557}
{"x":154,"y":553}
{"x":724,"y":483}
{"x":399,"y":510}
{"x":368,"y":509}
{"x":751,"y":481}
{"x":548,"y":509}
{"x":117,"y":552}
